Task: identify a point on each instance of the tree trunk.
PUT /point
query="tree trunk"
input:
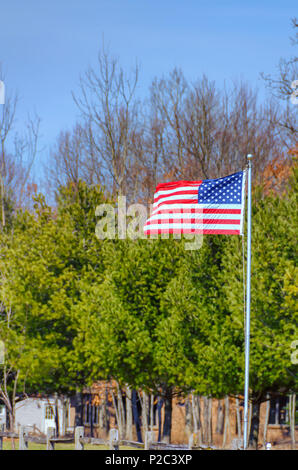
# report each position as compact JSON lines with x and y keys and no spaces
{"x":91,"y":407}
{"x":266,"y":420}
{"x":57,"y":414}
{"x":194,"y":414}
{"x":106,"y":414}
{"x":136,"y":415}
{"x":220,"y":417}
{"x":144,"y":400}
{"x":188,"y":417}
{"x":249,"y":417}
{"x":64,"y":405}
{"x":209,"y":434}
{"x":200,"y":423}
{"x":101,"y":416}
{"x":238,"y":418}
{"x":103,"y":412}
{"x":121,"y":411}
{"x":159,"y":407}
{"x":79,"y":408}
{"x":205,"y":417}
{"x":292,"y":413}
{"x":207,"y":420}
{"x":167,"y":425}
{"x":118,"y":411}
{"x":10,"y":420}
{"x":255,"y":424}
{"x":151,"y":411}
{"x":128,"y":414}
{"x":12,"y":425}
{"x":227,"y":422}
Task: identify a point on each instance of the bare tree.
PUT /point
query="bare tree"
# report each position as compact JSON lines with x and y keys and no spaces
{"x":245,"y":127}
{"x":8,"y":111}
{"x":167,"y":97}
{"x":17,"y":154}
{"x":201,"y":126}
{"x":183,"y":131}
{"x":69,"y":159}
{"x":207,"y":132}
{"x":9,"y":376}
{"x":282,"y":86}
{"x":107,"y":101}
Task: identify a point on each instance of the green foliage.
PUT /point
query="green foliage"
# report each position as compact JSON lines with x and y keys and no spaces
{"x":273,"y":293}
{"x":41,"y":263}
{"x":147,"y":312}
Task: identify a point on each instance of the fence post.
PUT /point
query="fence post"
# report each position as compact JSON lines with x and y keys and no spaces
{"x":113,"y":439}
{"x":23,"y":442}
{"x":149,"y":435}
{"x":194,"y":440}
{"x":50,"y":434}
{"x":79,"y":433}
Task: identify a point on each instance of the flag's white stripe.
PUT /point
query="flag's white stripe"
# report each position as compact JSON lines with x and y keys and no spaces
{"x":194,"y":216}
{"x":182,"y":205}
{"x":171,"y":197}
{"x":192,"y":226}
{"x":178,"y":197}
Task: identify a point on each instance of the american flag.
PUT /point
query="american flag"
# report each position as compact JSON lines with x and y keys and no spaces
{"x":213,"y":206}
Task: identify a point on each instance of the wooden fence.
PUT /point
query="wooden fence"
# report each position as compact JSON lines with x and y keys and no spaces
{"x":113,"y":443}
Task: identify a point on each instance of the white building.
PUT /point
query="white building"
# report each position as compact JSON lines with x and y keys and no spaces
{"x":2,"y":416}
{"x":39,"y":413}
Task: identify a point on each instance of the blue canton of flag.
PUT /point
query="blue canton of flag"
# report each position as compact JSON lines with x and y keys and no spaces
{"x":227,"y":190}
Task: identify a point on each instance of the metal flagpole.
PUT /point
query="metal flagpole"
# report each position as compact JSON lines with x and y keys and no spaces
{"x":247,"y":323}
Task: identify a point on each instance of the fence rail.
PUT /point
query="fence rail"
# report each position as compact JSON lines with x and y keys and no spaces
{"x":114,"y":442}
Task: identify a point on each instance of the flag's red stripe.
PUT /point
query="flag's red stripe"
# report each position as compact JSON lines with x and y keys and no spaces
{"x":198,"y":211}
{"x":177,"y":184}
{"x":193,"y":221}
{"x":221,"y":211}
{"x":194,"y":231}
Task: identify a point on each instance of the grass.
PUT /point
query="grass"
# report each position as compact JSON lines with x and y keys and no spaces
{"x":33,"y":446}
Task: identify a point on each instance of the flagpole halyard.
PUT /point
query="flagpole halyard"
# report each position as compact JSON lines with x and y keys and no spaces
{"x":247,"y":323}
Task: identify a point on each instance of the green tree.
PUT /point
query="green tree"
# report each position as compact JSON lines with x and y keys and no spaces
{"x":151,"y":323}
{"x":36,"y":279}
{"x":124,"y":313}
{"x":273,"y":297}
{"x":41,"y":263}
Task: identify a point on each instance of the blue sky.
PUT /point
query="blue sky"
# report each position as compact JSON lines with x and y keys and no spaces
{"x":46,"y":45}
